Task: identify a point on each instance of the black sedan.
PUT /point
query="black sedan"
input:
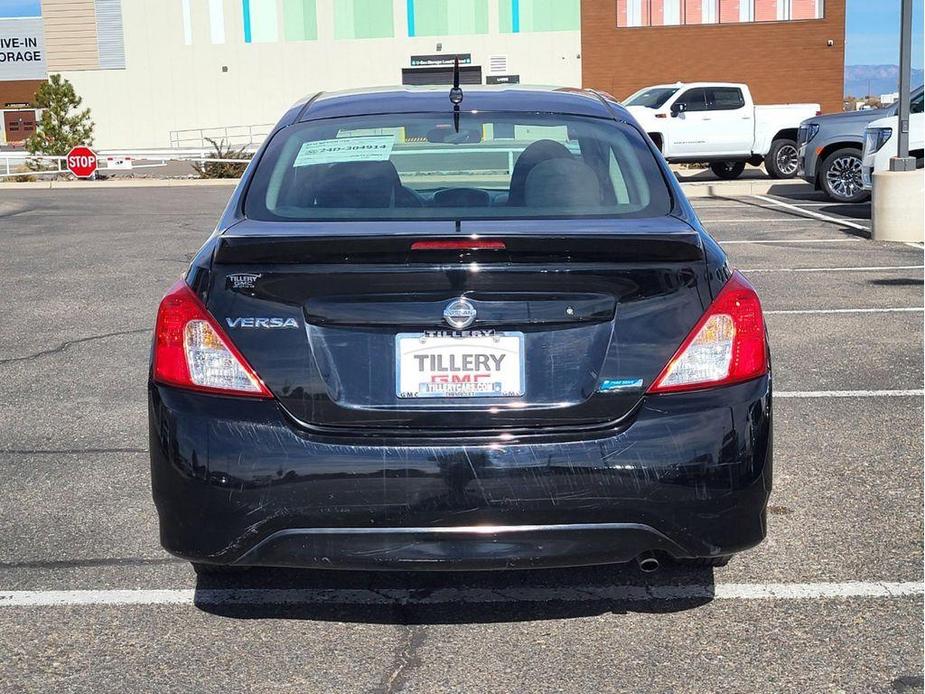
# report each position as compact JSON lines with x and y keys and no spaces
{"x":478,"y":332}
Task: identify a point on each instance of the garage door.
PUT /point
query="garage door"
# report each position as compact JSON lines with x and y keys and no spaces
{"x":470,"y":74}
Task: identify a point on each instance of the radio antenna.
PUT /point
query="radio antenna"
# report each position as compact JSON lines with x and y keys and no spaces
{"x":456,"y":94}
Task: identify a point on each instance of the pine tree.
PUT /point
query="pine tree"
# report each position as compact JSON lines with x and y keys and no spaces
{"x":62,"y":126}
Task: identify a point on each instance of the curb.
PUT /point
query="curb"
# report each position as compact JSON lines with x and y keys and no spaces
{"x":721,"y":189}
{"x":122,"y":183}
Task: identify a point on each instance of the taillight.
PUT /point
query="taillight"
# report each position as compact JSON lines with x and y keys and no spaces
{"x":727,"y":345}
{"x":192,"y":351}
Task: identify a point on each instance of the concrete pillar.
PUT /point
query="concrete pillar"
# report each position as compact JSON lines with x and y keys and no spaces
{"x":897,"y":209}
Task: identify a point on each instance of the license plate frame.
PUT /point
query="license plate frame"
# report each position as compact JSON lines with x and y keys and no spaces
{"x":507,"y":383}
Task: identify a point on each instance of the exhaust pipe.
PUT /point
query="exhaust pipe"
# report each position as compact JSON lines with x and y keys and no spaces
{"x":648,"y":562}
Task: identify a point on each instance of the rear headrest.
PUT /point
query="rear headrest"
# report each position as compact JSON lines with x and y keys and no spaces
{"x":535,"y":153}
{"x":562,"y":183}
{"x":358,"y":184}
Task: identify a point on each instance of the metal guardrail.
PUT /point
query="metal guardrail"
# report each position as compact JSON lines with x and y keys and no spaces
{"x":246,"y":136}
{"x":153,"y":158}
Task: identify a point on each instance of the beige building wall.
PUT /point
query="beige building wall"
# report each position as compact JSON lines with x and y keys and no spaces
{"x":168,"y":85}
{"x":70,"y":34}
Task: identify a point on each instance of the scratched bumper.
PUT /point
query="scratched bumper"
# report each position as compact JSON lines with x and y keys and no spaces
{"x":236,"y":481}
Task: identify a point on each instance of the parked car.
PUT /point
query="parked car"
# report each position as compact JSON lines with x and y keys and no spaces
{"x":830,"y":153}
{"x":880,"y":141}
{"x":718,"y":123}
{"x":399,"y":351}
{"x":830,"y":149}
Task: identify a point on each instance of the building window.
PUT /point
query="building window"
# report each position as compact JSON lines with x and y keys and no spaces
{"x":187,"y":22}
{"x":709,"y":13}
{"x":645,"y":13}
{"x":261,"y":23}
{"x":300,"y":23}
{"x":447,"y":17}
{"x":538,"y":15}
{"x":363,"y":19}
{"x":217,"y":21}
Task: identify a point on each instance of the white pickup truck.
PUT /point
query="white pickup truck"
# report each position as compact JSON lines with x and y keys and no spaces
{"x":718,"y":123}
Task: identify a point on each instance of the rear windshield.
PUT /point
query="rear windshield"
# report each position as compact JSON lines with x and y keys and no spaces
{"x":426,"y":166}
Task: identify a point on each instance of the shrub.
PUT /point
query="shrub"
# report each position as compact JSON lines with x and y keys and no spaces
{"x":217,"y":169}
{"x":62,"y":125}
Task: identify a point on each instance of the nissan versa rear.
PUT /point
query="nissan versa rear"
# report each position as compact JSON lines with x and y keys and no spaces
{"x":480,"y":335}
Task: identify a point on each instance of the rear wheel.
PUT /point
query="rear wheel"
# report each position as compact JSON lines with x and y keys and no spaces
{"x":840,"y":176}
{"x":727,"y":170}
{"x":783,"y":159}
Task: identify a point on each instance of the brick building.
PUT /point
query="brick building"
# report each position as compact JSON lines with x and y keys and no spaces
{"x":785,"y":50}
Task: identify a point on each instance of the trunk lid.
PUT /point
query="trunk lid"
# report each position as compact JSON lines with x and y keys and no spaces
{"x":589,"y":310}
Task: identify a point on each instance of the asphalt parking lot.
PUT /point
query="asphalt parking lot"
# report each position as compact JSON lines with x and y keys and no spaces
{"x":831,"y":602}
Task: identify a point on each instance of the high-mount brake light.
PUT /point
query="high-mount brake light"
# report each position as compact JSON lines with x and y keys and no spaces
{"x":192,"y":351}
{"x":728,"y":345}
{"x":459,"y":245}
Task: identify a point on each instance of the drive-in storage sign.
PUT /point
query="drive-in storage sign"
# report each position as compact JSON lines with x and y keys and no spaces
{"x":22,"y":49}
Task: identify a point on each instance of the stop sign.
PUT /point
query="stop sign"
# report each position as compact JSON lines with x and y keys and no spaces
{"x":81,"y":161}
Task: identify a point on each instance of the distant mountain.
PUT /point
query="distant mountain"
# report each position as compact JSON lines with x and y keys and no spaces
{"x":883,"y":79}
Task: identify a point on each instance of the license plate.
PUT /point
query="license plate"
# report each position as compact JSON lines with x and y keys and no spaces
{"x":459,"y":366}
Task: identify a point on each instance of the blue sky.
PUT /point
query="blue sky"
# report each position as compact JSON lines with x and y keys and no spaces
{"x":20,"y":8}
{"x":872,"y":32}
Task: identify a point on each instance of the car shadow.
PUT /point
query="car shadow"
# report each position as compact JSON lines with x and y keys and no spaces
{"x":785,"y":189}
{"x":859,"y":210}
{"x":897,"y":282}
{"x":847,"y":231}
{"x":851,"y":210}
{"x":751,"y":173}
{"x":453,"y":597}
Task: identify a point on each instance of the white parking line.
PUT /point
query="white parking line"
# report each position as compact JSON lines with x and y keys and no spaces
{"x":807,"y":311}
{"x":845,"y":240}
{"x":848,"y":393}
{"x":392,"y":596}
{"x":783,"y":220}
{"x":810,"y":203}
{"x":810,"y":213}
{"x":878,"y":268}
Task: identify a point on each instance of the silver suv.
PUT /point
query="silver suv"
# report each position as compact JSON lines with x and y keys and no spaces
{"x":830,"y":152}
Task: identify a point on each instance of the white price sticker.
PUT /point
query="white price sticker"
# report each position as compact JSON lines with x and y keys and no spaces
{"x":345,"y":149}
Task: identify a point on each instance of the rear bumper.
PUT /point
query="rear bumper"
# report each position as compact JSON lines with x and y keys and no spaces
{"x":236,"y":482}
{"x":459,"y":548}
